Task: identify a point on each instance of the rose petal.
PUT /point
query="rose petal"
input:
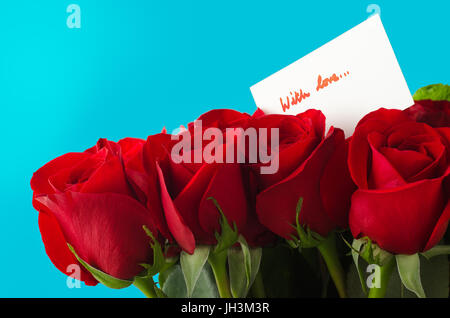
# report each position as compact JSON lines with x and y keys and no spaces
{"x":383,"y":174}
{"x":399,"y":220}
{"x":410,"y":163}
{"x":258,"y":113}
{"x":104,"y":229}
{"x":433,"y":113}
{"x":142,"y":175}
{"x":227,"y":188}
{"x":222,"y":119}
{"x":336,"y":185}
{"x":298,"y":137}
{"x":317,"y":118}
{"x":188,"y":202}
{"x":57,"y":250}
{"x":39,"y":181}
{"x":439,"y":229}
{"x":276,"y":206}
{"x":130,"y":147}
{"x":359,"y":150}
{"x":445,"y":133}
{"x":180,"y":231}
{"x":109,"y":177}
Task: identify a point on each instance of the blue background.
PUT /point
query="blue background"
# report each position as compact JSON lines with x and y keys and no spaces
{"x":136,"y":66}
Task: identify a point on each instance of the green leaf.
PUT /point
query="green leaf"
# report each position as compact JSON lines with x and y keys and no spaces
{"x":164,"y":272}
{"x":437,"y":250}
{"x":243,"y":264}
{"x":163,"y":275}
{"x":192,"y":266}
{"x":175,"y":286}
{"x":433,"y":92}
{"x":409,"y":271}
{"x":228,"y":235}
{"x":105,"y":279}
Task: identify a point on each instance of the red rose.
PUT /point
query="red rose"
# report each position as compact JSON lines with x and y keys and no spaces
{"x":433,"y":113}
{"x":85,"y":199}
{"x":311,"y":166}
{"x":184,"y":187}
{"x":400,"y":167}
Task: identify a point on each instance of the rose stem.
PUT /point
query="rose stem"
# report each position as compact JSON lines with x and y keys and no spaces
{"x":385,"y":275}
{"x":258,"y":286}
{"x":328,"y":250}
{"x":218,"y":262}
{"x":146,"y":286}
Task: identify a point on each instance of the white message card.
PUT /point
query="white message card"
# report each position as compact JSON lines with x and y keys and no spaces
{"x":346,"y":78}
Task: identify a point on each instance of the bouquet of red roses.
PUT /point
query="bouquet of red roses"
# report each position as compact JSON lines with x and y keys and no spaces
{"x":262,"y":205}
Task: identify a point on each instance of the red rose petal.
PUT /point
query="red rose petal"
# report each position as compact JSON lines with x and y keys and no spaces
{"x":407,"y":162}
{"x":39,"y":181}
{"x":336,"y":185}
{"x":104,"y":229}
{"x":109,"y":177}
{"x":223,"y":118}
{"x":439,"y":229}
{"x":188,"y":202}
{"x":445,"y":133}
{"x":227,"y":188}
{"x":130,"y":147}
{"x":180,"y":231}
{"x":318,"y":120}
{"x":399,"y":220}
{"x":383,"y":174}
{"x":276,"y":206}
{"x":57,"y":250}
{"x":359,"y":150}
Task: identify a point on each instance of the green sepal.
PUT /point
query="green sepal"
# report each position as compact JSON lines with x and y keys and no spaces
{"x":434,"y":92}
{"x":409,"y":271}
{"x":159,"y":292}
{"x":192,"y":265}
{"x":437,"y":250}
{"x":292,"y":243}
{"x":368,"y":251}
{"x":159,"y":260}
{"x":228,"y":235}
{"x":146,"y":285}
{"x":160,"y":263}
{"x":243,"y":264}
{"x":372,"y":253}
{"x":102,"y":277}
{"x":306,"y":237}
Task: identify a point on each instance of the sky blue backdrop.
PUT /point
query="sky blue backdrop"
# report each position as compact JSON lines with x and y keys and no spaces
{"x":136,"y":66}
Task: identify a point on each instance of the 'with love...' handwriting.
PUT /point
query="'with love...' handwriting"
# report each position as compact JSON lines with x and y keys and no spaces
{"x":297,"y":97}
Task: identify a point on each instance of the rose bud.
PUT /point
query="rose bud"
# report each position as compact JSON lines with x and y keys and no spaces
{"x":312,"y":166}
{"x":85,"y":200}
{"x":309,"y":196}
{"x":400,"y":166}
{"x":186,"y":182}
{"x":433,"y":113}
